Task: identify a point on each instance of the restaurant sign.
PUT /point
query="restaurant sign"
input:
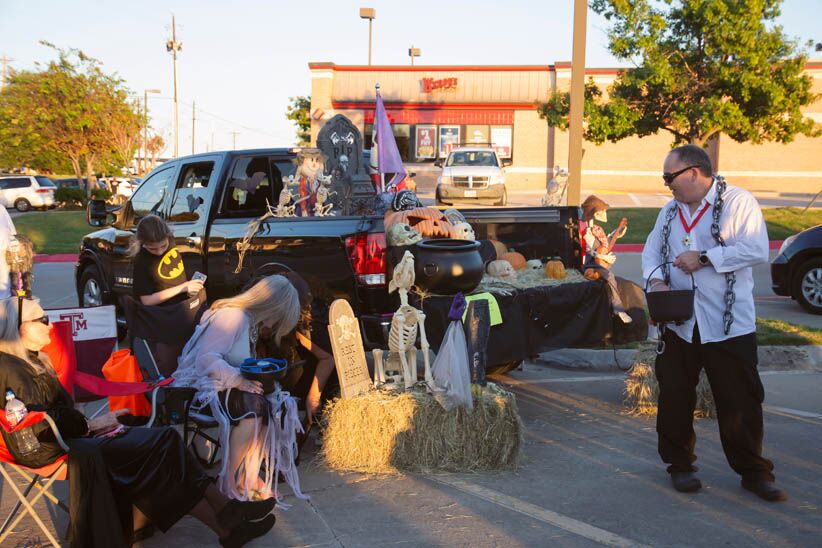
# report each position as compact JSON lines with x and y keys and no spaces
{"x":429,"y":84}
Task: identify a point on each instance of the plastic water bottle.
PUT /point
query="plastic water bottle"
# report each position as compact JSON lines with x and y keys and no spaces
{"x":15,"y":413}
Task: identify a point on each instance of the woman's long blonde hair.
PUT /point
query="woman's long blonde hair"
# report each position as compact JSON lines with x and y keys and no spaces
{"x":272,"y":298}
{"x":10,"y":342}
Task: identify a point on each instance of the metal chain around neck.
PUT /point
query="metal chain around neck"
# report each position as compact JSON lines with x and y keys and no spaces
{"x":730,"y":277}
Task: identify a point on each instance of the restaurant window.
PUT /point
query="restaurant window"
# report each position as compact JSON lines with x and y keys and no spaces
{"x":402,"y":135}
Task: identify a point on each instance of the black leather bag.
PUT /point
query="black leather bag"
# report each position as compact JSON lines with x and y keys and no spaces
{"x":672,"y":306}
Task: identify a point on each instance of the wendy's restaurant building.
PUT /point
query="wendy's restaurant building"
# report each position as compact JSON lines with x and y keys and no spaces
{"x":435,"y":108}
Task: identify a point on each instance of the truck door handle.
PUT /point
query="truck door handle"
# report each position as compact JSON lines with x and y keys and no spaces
{"x":194,"y":241}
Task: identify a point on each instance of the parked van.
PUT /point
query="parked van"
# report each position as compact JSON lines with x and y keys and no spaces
{"x":26,"y":191}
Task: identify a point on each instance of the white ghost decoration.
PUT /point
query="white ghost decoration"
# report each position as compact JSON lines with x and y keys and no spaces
{"x":501,"y":269}
{"x":463,"y":231}
{"x":534,"y":264}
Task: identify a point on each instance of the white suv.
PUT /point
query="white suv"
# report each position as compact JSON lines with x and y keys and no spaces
{"x":472,"y":173}
{"x":26,"y":191}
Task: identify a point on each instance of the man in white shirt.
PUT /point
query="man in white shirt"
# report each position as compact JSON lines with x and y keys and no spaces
{"x":721,"y":335}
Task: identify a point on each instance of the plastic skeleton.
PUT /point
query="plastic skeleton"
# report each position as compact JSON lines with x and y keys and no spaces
{"x":284,"y":207}
{"x":321,"y":208}
{"x":555,"y":190}
{"x":406,"y":322}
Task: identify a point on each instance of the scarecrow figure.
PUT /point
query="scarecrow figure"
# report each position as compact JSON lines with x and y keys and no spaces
{"x":309,"y":177}
{"x":599,"y":257}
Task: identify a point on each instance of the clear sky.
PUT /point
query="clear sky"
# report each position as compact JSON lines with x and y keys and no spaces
{"x":243,"y":59}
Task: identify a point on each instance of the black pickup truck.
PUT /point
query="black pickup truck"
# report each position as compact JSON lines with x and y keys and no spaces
{"x":340,"y":257}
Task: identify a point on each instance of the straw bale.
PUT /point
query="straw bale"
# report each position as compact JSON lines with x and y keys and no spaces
{"x":642,"y":389}
{"x":388,"y":432}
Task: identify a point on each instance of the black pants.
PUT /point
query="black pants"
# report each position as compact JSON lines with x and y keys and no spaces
{"x":731,"y":369}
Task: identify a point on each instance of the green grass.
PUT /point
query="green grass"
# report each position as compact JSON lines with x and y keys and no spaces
{"x":779,"y":333}
{"x":54,"y":231}
{"x":781,"y":221}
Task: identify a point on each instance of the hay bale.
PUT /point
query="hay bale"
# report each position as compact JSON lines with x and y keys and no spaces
{"x":642,"y":389}
{"x":388,"y":432}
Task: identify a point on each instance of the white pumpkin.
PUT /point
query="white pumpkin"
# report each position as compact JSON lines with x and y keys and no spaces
{"x":501,"y":269}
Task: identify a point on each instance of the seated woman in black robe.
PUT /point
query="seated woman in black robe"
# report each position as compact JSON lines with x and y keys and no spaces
{"x":143,"y":474}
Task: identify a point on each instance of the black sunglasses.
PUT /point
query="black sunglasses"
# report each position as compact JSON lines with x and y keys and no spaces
{"x":669,"y":177}
{"x":42,"y":319}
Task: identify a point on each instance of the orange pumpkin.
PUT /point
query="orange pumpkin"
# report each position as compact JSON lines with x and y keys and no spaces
{"x":517,"y":260}
{"x":555,"y":269}
{"x":591,"y":274}
{"x":500,"y":248}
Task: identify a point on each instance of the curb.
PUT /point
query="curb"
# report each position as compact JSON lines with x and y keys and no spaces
{"x":775,"y":358}
{"x":56,"y":258}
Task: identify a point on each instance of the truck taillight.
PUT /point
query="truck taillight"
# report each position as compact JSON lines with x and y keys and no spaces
{"x":367,"y":255}
{"x":43,"y":190}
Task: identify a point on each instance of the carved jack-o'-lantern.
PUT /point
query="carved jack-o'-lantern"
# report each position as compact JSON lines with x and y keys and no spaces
{"x":428,"y":221}
{"x":517,"y":260}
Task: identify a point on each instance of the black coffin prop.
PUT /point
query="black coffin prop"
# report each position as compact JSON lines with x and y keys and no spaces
{"x":534,"y":320}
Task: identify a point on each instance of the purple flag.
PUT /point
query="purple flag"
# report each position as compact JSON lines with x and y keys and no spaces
{"x":384,"y":150}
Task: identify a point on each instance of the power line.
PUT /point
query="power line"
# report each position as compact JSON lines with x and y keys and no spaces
{"x":224,"y":119}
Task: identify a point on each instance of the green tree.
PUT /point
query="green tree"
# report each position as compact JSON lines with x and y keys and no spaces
{"x":63,"y":112}
{"x":297,"y":112}
{"x":702,"y":67}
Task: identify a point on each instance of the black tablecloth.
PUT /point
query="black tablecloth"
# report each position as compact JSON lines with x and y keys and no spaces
{"x":534,"y":320}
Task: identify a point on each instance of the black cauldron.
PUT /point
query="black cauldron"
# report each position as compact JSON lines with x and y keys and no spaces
{"x":446,"y":267}
{"x":672,"y":306}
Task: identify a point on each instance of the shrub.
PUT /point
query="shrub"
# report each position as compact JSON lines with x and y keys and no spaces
{"x":101,"y":194}
{"x":70,"y":196}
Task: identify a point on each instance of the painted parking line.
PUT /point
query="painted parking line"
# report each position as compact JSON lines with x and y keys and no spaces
{"x":634,"y":199}
{"x":571,"y":525}
{"x":793,"y":412}
{"x":590,"y":378}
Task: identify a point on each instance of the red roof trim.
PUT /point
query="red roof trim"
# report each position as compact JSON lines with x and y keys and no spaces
{"x":434,"y":106}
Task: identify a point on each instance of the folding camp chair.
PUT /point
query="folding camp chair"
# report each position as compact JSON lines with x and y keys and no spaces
{"x":42,"y":478}
{"x":172,"y":405}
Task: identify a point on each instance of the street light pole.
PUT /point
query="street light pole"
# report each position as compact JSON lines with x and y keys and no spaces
{"x":575,"y":116}
{"x":144,"y":162}
{"x":370,"y":14}
{"x":173,"y":47}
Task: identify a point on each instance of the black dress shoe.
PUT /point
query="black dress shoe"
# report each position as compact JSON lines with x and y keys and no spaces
{"x":765,"y":490}
{"x":235,"y":512}
{"x":248,"y":531}
{"x":686,"y":482}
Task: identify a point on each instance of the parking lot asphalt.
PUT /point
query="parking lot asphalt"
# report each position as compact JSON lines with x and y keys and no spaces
{"x":589,"y":476}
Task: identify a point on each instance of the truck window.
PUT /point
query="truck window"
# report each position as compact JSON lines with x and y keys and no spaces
{"x":250,"y":187}
{"x":148,"y":198}
{"x":190,"y":195}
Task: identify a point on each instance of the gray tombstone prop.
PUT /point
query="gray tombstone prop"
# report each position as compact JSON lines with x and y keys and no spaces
{"x":349,"y":355}
{"x":341,"y":143}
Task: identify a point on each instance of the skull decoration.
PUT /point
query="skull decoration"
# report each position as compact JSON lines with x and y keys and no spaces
{"x":534,"y":264}
{"x":463,"y":231}
{"x":343,"y":164}
{"x":402,"y":234}
{"x":501,"y":269}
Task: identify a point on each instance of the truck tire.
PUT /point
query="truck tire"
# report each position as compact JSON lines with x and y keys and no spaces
{"x":438,"y":199}
{"x":504,"y":199}
{"x":22,"y":205}
{"x":808,"y":288}
{"x":502,"y":368}
{"x":90,"y":288}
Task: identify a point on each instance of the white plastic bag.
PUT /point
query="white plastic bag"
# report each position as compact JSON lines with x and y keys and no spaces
{"x":450,"y":369}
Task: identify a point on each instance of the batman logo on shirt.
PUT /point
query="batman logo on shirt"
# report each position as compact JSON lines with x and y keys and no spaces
{"x":171,"y":265}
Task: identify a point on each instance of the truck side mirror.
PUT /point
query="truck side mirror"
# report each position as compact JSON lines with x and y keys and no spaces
{"x":438,"y":163}
{"x":507,"y":162}
{"x":98,"y":214}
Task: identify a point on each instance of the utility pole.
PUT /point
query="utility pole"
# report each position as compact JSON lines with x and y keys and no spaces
{"x":174,"y":47}
{"x":575,"y":116}
{"x":370,"y":14}
{"x":234,"y":139}
{"x":193,"y":120}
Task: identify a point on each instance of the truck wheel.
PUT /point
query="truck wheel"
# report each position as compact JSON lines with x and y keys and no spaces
{"x":22,"y":205}
{"x":808,"y":289}
{"x":90,"y":288}
{"x":504,"y":199}
{"x":502,"y":368}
